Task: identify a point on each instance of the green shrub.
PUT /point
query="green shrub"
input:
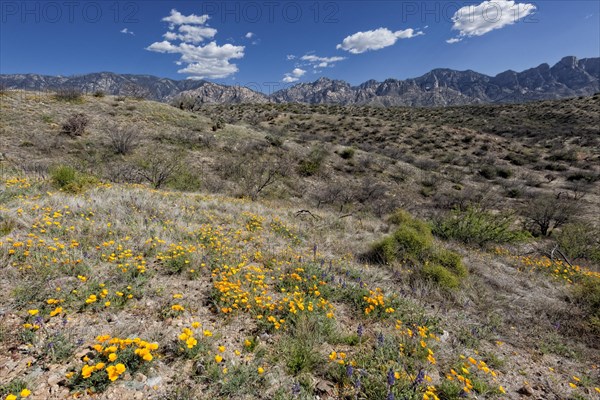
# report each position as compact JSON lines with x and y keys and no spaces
{"x":587,"y":295}
{"x":186,"y":181}
{"x":451,"y":261}
{"x":413,"y":241}
{"x":580,"y":240}
{"x":476,"y":226}
{"x":68,"y":179}
{"x":63,"y":175}
{"x":313,"y":163}
{"x":440,"y":275}
{"x":384,"y":251}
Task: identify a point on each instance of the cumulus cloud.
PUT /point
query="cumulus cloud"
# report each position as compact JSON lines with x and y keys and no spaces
{"x":126,"y":31}
{"x":375,"y":40}
{"x":294,"y":76}
{"x":249,"y":35}
{"x":290,"y":57}
{"x":477,"y":20}
{"x":191,"y":33}
{"x":200,"y":61}
{"x":176,"y":18}
{"x":320,"y":62}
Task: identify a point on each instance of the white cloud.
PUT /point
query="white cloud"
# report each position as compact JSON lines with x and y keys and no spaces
{"x":208,"y":61}
{"x":249,"y":35}
{"x":209,"y":68}
{"x":290,"y":57}
{"x":176,"y":18}
{"x":477,"y":20}
{"x":375,"y":40}
{"x":126,"y":31}
{"x":321,"y":62}
{"x":294,"y":76}
{"x":453,"y":40}
{"x":191,"y":34}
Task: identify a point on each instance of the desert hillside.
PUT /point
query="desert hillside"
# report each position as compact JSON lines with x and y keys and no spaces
{"x":285,"y":251}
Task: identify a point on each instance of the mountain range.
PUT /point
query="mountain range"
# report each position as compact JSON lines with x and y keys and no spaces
{"x":569,"y":77}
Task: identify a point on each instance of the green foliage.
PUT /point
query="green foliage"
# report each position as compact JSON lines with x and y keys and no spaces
{"x":580,"y":240}
{"x":587,"y":295}
{"x":476,"y":226}
{"x":440,"y":275}
{"x":313,"y":163}
{"x":186,"y":181}
{"x":7,"y":225}
{"x":13,"y":387}
{"x":68,"y":179}
{"x":413,"y":242}
{"x":450,"y":261}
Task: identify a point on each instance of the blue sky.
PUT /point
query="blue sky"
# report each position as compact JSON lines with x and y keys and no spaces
{"x":277,"y":43}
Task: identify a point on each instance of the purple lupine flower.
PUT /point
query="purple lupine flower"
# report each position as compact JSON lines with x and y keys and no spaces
{"x":349,"y":371}
{"x":357,"y":384}
{"x":390,"y":396}
{"x":315,"y":251}
{"x":380,"y":339}
{"x":322,"y":262}
{"x":419,"y":378}
{"x":391,"y":379}
{"x":360,"y":330}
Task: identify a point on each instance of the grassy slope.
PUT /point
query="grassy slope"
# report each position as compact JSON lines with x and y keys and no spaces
{"x":506,"y":313}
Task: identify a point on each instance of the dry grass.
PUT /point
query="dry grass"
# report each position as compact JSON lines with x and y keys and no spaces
{"x":514,"y":313}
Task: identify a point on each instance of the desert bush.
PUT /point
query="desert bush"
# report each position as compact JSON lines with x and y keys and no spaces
{"x":274,"y":140}
{"x":587,"y":296}
{"x":252,"y":175}
{"x":158,"y":168}
{"x":122,"y":139}
{"x":348,"y":153}
{"x":99,"y":93}
{"x":440,"y":275}
{"x":477,"y":226}
{"x":68,"y":179}
{"x":68,"y":94}
{"x":218,"y":124}
{"x":580,"y":240}
{"x":413,"y":242}
{"x":488,"y":172}
{"x":186,"y":181}
{"x":451,"y":261}
{"x":313,"y":163}
{"x":75,"y":125}
{"x":547,"y":212}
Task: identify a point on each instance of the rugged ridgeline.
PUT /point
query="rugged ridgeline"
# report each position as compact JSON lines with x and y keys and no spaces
{"x":440,"y":87}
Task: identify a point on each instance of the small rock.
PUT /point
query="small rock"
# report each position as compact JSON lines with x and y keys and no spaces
{"x":154,"y":381}
{"x":139,"y":377}
{"x":526,"y":391}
